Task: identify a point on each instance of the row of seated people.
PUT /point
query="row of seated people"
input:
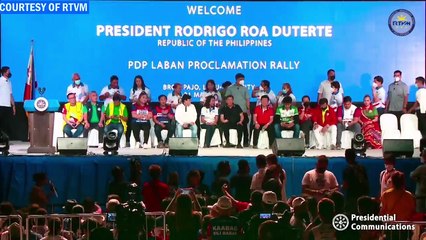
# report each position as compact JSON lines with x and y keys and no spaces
{"x":325,"y":121}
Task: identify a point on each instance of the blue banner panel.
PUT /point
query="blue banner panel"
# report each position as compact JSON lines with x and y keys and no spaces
{"x":191,"y":42}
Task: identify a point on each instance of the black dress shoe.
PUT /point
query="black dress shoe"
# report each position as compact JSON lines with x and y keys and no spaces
{"x":239,"y":146}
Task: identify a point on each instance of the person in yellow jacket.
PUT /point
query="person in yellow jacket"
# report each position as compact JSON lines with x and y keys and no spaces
{"x":116,"y":116}
{"x":72,"y":113}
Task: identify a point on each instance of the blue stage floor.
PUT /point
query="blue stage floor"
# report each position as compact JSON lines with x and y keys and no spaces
{"x":88,"y":176}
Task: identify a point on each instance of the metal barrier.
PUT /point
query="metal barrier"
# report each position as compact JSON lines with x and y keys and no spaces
{"x":6,"y":221}
{"x":71,"y":224}
{"x":156,"y":231}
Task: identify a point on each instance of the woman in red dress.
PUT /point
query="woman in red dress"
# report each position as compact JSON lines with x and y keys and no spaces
{"x":369,"y":121}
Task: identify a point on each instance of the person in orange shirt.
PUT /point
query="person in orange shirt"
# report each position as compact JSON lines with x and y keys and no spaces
{"x":398,"y":201}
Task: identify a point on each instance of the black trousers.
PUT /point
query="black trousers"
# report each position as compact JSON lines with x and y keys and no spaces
{"x":95,"y":126}
{"x":137,"y":127}
{"x":239,"y":128}
{"x":306,"y":127}
{"x":398,"y":115}
{"x":245,"y":129}
{"x":170,"y":127}
{"x":6,"y":117}
{"x":422,"y":122}
{"x":271,"y":134}
{"x":210,"y":129}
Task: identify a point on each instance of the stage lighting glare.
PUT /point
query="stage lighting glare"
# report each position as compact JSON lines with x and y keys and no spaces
{"x":111,"y":143}
{"x":359,"y":145}
{"x":4,"y":144}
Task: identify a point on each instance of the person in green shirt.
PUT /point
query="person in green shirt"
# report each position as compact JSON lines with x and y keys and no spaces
{"x":116,"y":116}
{"x":287,"y":118}
{"x":92,"y":115}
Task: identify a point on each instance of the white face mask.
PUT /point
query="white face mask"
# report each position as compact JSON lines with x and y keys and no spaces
{"x":242,"y":82}
{"x":374,"y":84}
{"x":397,"y":79}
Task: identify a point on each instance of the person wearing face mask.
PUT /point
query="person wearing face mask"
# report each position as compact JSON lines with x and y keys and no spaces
{"x":80,"y":89}
{"x":419,"y":176}
{"x":336,"y":95}
{"x":385,"y":175}
{"x":325,"y":125}
{"x":324,"y":90}
{"x":242,"y":99}
{"x":420,"y":105}
{"x":305,"y":118}
{"x":264,"y":89}
{"x":319,"y":182}
{"x":397,"y":100}
{"x":286,"y":92}
{"x":7,"y":102}
{"x":379,"y":95}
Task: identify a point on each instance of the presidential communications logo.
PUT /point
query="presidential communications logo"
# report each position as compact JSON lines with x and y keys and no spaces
{"x":401,"y":22}
{"x":370,"y":222}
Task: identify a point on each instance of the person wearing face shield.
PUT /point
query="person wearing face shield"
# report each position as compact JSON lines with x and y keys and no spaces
{"x":419,"y":176}
{"x":264,"y":89}
{"x":397,"y":100}
{"x":80,"y":89}
{"x":385,"y":175}
{"x":325,"y":90}
{"x":7,"y":102}
{"x":319,"y":182}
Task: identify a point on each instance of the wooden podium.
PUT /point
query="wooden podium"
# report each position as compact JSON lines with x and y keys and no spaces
{"x":40,"y":124}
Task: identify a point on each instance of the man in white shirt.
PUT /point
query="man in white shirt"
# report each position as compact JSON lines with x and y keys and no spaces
{"x":379,"y":95}
{"x":319,"y":181}
{"x":174,"y":98}
{"x":420,"y":105}
{"x":112,"y":89}
{"x":7,"y":103}
{"x":347,"y":119}
{"x":264,"y":89}
{"x":185,"y":116}
{"x":80,"y":89}
{"x":324,"y":90}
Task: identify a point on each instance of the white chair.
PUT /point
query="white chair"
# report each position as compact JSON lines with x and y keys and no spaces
{"x":410,"y":129}
{"x":233,"y":137}
{"x":58,"y":126}
{"x":312,"y":139}
{"x":215,"y":139}
{"x":263,"y":142}
{"x":346,"y":140}
{"x":389,"y":126}
{"x":133,"y":141}
{"x":289,"y":134}
{"x":93,"y":138}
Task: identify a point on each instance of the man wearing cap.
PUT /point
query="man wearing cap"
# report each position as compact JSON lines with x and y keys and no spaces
{"x":223,"y":225}
{"x":112,"y":90}
{"x":116,"y":116}
{"x":185,"y":116}
{"x":319,"y":181}
{"x":72,"y":113}
{"x":80,"y":89}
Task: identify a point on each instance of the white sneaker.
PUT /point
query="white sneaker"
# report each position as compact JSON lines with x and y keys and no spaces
{"x":137,"y":145}
{"x":145,"y":146}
